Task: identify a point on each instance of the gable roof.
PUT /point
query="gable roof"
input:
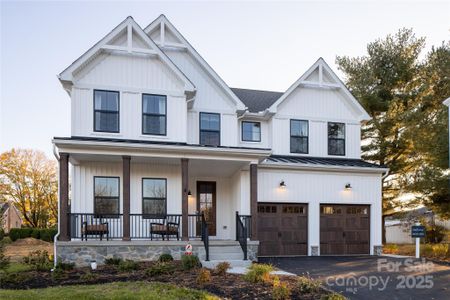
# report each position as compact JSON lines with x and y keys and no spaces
{"x":333,"y":82}
{"x":131,"y":27}
{"x":257,"y":100}
{"x":161,"y":23}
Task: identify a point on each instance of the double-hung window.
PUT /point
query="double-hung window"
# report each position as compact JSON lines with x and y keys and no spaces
{"x":154,"y":114}
{"x":209,"y":129}
{"x":106,"y":196}
{"x":251,"y":131}
{"x":154,"y":197}
{"x":336,"y":139}
{"x":106,"y":111}
{"x":299,"y":136}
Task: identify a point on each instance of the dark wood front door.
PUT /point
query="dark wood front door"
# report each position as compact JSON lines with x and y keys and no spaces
{"x":344,"y":229}
{"x":282,"y":229}
{"x":206,"y":203}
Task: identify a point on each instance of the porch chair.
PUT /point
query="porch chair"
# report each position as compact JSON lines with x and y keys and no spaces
{"x":170,"y":226}
{"x":95,"y":229}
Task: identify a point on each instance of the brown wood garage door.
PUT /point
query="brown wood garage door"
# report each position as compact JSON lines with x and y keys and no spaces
{"x":282,"y":229}
{"x":344,"y":229}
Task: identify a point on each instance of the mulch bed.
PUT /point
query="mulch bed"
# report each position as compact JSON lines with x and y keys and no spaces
{"x":231,"y":286}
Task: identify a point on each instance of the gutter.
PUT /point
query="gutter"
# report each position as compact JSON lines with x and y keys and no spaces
{"x":55,"y":260}
{"x":323,"y":168}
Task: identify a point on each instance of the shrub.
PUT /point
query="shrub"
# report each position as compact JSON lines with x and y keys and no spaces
{"x":165,"y":257}
{"x":65,"y":266}
{"x":222,"y":268}
{"x":391,"y":248}
{"x":48,"y":234}
{"x":14,"y":278}
{"x":38,"y":260}
{"x":203,"y":277}
{"x":25,"y":232}
{"x":440,"y":250}
{"x":189,"y":262}
{"x":333,"y":296}
{"x":258,"y":273}
{"x":88,"y":276}
{"x":4,"y":261}
{"x":2,"y":234}
{"x":308,"y":285}
{"x":14,"y":234}
{"x":36,"y":233}
{"x":434,"y":234}
{"x":160,"y":268}
{"x":58,"y":274}
{"x":280,"y":290}
{"x":427,"y":250}
{"x":113,"y":261}
{"x":128,"y":265}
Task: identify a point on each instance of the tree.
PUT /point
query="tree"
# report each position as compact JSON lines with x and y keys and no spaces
{"x":28,"y":178}
{"x":391,"y":84}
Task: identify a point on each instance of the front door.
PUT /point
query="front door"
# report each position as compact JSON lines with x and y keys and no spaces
{"x":206,"y":203}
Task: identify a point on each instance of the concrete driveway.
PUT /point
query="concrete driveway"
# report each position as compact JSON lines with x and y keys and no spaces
{"x":371,"y":277}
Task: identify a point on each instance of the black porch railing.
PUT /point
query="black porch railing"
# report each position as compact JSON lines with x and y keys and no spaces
{"x":205,"y":236}
{"x":155,"y":227}
{"x":243,"y":231}
{"x":88,"y":226}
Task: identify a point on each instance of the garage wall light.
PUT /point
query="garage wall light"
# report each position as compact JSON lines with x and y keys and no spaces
{"x":282,"y":184}
{"x":348,"y":186}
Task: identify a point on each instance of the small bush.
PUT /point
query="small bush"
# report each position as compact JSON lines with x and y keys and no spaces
{"x":222,"y":268}
{"x":65,"y":266}
{"x":113,"y":261}
{"x":14,"y":234}
{"x":190,"y":261}
{"x":391,"y":249}
{"x":25,"y":232}
{"x":2,"y":234}
{"x":38,"y":260}
{"x":427,"y":250}
{"x":308,"y":285}
{"x":48,"y":234}
{"x":165,"y":257}
{"x":440,"y":250}
{"x":258,"y":273}
{"x":58,"y":274}
{"x":88,"y":276}
{"x":36,"y":233}
{"x":203,"y":277}
{"x":280,"y":290}
{"x":333,"y":296}
{"x":15,"y":278}
{"x":128,"y":265}
{"x":434,"y":234}
{"x":160,"y":268}
{"x":4,"y":261}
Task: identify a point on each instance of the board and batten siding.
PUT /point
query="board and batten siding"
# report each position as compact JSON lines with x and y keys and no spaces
{"x":131,"y":76}
{"x":320,"y":187}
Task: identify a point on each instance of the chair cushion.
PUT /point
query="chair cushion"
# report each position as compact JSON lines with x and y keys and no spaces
{"x":96,"y":228}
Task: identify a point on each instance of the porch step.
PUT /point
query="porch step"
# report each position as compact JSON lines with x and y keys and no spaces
{"x":234,"y":263}
{"x":225,"y":251}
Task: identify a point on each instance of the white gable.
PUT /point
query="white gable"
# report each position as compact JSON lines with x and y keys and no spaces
{"x":327,"y":85}
{"x":126,"y":39}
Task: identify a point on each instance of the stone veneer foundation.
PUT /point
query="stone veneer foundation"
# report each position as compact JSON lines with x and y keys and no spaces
{"x":82,"y":253}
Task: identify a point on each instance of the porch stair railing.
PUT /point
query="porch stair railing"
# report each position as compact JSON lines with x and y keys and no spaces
{"x":243,"y":231}
{"x":205,"y":236}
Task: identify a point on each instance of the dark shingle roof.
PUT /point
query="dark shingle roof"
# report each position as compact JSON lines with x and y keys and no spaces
{"x":257,"y":100}
{"x":308,"y":160}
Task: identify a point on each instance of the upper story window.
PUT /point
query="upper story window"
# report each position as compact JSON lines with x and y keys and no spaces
{"x":251,"y":131}
{"x":106,"y":195}
{"x":106,"y":111}
{"x":154,"y":114}
{"x":299,"y":136}
{"x":336,"y":139}
{"x":154,"y":199}
{"x":209,"y":129}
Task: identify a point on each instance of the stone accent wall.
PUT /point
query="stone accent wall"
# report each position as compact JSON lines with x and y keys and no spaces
{"x":83,"y":254}
{"x":252,"y":251}
{"x":378,"y":250}
{"x":314,"y":250}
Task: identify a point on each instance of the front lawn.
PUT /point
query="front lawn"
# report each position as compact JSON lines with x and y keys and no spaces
{"x":116,"y":290}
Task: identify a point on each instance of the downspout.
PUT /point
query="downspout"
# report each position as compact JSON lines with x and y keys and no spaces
{"x":55,"y":260}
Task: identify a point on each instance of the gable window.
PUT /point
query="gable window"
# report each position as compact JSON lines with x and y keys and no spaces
{"x":299,"y":136}
{"x":106,"y":111}
{"x":154,"y":115}
{"x":106,"y":195}
{"x":336,"y":139}
{"x":251,"y":131}
{"x":209,"y":129}
{"x":154,"y":199}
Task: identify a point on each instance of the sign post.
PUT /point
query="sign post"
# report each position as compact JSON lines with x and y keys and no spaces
{"x":417,"y":231}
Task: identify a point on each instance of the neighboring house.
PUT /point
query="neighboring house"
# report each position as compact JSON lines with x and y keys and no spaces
{"x":10,"y":216}
{"x":161,"y":147}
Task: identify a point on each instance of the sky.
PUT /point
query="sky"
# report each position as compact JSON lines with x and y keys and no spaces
{"x":250,"y":44}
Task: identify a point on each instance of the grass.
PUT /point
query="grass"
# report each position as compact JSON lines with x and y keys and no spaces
{"x":116,"y":290}
{"x":15,"y":267}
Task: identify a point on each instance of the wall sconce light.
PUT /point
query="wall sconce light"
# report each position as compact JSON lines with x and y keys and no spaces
{"x":189,"y":193}
{"x":282,"y":184}
{"x":348,"y":186}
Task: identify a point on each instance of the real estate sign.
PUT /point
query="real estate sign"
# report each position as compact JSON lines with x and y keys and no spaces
{"x":417,"y":231}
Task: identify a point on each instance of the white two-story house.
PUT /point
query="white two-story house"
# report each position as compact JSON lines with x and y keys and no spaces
{"x":163,"y":153}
